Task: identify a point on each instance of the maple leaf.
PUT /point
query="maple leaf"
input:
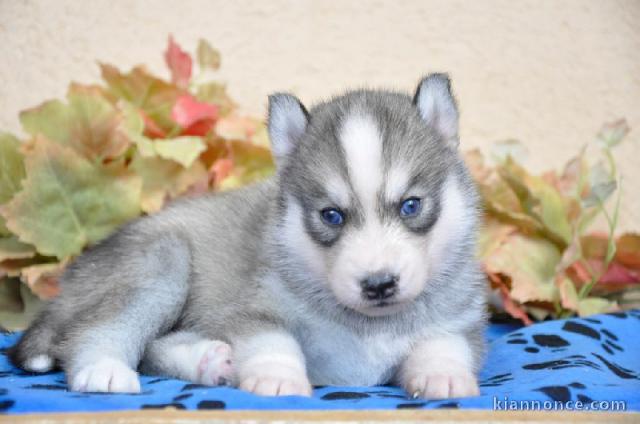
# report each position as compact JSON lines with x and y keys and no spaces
{"x":89,"y":124}
{"x":179,"y":63}
{"x":183,"y":150}
{"x":196,"y":118}
{"x":165,"y":179}
{"x":530,"y":264}
{"x":68,"y":202}
{"x":12,"y":248}
{"x":154,"y":97}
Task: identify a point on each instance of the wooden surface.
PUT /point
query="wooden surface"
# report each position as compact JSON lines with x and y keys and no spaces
{"x":249,"y":417}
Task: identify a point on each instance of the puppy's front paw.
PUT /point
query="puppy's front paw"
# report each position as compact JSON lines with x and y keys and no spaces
{"x":442,"y":385}
{"x":275,"y":378}
{"x":106,"y":375}
{"x":214,"y":367}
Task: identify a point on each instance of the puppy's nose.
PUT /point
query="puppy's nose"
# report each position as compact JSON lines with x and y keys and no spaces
{"x":378,"y":286}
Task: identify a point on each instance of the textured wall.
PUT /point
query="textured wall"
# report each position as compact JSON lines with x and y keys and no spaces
{"x":545,"y":72}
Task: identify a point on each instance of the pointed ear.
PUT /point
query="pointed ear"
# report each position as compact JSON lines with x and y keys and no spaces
{"x":288,"y":120}
{"x":437,"y":106}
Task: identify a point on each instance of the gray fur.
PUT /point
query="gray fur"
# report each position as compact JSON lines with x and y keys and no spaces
{"x":217,"y":266}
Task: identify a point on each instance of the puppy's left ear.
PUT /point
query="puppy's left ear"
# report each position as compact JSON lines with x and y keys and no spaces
{"x":437,"y":106}
{"x":287,"y":121}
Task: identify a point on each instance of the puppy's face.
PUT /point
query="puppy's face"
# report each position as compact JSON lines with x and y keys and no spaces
{"x":371,"y":200}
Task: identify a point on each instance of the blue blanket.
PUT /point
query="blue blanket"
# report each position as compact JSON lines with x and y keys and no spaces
{"x":586,"y":363}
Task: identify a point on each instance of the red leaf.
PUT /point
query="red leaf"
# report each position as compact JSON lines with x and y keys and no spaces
{"x":187,"y":111}
{"x":618,"y":273}
{"x":179,"y":63}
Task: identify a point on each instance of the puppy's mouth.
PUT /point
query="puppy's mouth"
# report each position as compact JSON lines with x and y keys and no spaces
{"x":382,"y":308}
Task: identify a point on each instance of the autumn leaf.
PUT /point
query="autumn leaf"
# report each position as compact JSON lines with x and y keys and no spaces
{"x":18,"y":306}
{"x":68,"y":202}
{"x":11,"y":172}
{"x":89,"y":124}
{"x":43,"y":279}
{"x":152,"y":96}
{"x":164,"y":179}
{"x":12,"y":248}
{"x":628,"y":250}
{"x":179,"y":63}
{"x":529,"y":263}
{"x":208,"y":57}
{"x":216,"y":93}
{"x":184,"y":150}
{"x":250,"y":163}
{"x":188,"y":111}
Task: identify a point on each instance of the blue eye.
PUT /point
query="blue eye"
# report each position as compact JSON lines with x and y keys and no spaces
{"x":410,"y":207}
{"x":332,"y":216}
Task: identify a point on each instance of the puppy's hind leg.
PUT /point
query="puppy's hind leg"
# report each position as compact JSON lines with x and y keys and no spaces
{"x":146,"y":289}
{"x":189,"y":356}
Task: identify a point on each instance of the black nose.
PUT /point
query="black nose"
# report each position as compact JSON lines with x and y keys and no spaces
{"x":379,"y":286}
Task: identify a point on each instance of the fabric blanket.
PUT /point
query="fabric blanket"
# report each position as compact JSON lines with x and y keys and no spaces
{"x":581,"y":364}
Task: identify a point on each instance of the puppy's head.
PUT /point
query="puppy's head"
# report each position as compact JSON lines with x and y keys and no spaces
{"x":373,"y":193}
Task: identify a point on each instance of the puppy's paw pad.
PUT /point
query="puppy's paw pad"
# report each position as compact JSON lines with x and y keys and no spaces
{"x":106,"y":375}
{"x":442,"y":386}
{"x":215,"y":367}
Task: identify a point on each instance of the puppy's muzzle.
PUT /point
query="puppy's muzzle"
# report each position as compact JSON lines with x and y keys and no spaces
{"x":379,"y":286}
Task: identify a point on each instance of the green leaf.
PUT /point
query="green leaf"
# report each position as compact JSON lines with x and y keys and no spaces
{"x":89,"y":124}
{"x":12,"y":248}
{"x":68,"y":202}
{"x":18,"y":306}
{"x":11,"y":172}
{"x":208,"y":57}
{"x":50,"y":119}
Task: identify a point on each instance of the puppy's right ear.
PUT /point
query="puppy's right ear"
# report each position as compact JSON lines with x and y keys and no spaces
{"x":288,"y":120}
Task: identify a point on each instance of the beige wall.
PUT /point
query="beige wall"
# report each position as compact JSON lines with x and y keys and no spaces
{"x":545,"y":72}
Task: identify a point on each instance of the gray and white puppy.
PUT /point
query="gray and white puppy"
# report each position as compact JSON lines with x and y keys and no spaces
{"x":354,"y":265}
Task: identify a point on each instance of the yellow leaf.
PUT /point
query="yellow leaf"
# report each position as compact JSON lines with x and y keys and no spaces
{"x":164,"y":179}
{"x":530,"y":263}
{"x":595,"y":305}
{"x":184,"y":150}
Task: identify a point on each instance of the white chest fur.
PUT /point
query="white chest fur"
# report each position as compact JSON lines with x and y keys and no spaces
{"x":337,"y":356}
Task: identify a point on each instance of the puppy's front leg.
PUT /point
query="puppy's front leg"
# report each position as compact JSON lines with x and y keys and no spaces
{"x":440,"y":367}
{"x":271,"y":364}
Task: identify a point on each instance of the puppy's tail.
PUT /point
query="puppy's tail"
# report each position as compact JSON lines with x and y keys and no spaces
{"x":33,"y":352}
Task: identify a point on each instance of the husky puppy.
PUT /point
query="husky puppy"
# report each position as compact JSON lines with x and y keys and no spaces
{"x":354,"y":265}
